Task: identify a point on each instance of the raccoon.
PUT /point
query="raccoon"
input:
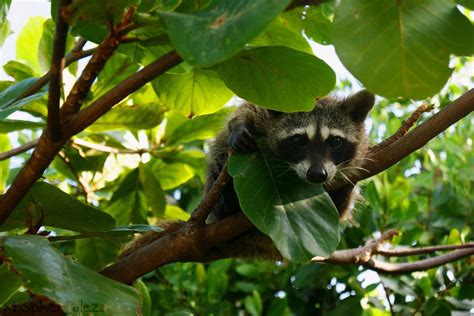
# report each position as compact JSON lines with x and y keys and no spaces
{"x":323,"y":146}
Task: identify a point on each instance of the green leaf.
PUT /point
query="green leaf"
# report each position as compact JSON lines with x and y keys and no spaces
{"x":19,"y":71}
{"x":145,"y":297}
{"x":278,"y":78}
{"x":197,"y":128}
{"x":317,"y":26}
{"x":299,"y":217}
{"x":285,"y":30}
{"x":9,"y":285}
{"x":95,"y":253}
{"x":220,"y":31}
{"x":59,"y":210}
{"x":406,"y":42}
{"x":153,"y":191}
{"x":128,"y":203}
{"x":43,"y":270}
{"x":5,"y":164}
{"x":171,"y":174}
{"x":28,"y":42}
{"x":195,"y":93}
{"x":9,"y":126}
{"x":466,"y":3}
{"x":8,"y":104}
{"x":99,"y":12}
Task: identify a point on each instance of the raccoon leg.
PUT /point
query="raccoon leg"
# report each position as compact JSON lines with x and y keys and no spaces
{"x":241,"y":139}
{"x":342,"y":200}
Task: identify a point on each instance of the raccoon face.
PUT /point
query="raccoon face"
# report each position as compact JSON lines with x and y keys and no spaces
{"x":325,"y":143}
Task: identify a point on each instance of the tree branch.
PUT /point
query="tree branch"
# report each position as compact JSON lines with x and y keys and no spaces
{"x":181,"y":245}
{"x":422,"y":250}
{"x":55,"y":73}
{"x":18,"y":150}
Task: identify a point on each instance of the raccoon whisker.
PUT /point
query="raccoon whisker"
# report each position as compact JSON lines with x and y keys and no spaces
{"x":354,"y":167}
{"x":347,"y":178}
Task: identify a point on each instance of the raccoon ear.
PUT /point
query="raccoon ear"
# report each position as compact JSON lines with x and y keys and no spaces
{"x":359,"y":104}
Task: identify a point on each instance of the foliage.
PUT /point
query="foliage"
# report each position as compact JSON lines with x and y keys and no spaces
{"x":144,"y":160}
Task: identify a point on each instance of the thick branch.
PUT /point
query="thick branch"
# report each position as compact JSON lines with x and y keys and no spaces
{"x":55,"y":74}
{"x":181,"y":246}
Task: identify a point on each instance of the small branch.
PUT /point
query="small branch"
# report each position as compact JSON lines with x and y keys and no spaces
{"x":421,"y":250}
{"x":18,"y":150}
{"x":406,"y":125}
{"x":54,"y":127}
{"x":108,"y":149}
{"x":421,"y":265}
{"x":81,"y":184}
{"x":99,"y":107}
{"x":200,"y":215}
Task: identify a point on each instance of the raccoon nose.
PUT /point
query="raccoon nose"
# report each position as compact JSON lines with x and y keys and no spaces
{"x":317,"y":174}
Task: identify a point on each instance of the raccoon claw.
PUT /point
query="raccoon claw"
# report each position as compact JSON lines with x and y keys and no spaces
{"x":242,"y":141}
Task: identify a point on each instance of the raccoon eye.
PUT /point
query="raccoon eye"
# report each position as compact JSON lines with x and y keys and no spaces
{"x":298,"y":139}
{"x":335,"y":142}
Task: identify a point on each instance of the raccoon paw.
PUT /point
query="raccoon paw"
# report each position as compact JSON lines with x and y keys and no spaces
{"x":242,"y":141}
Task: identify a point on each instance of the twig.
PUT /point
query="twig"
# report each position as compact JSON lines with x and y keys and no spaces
{"x":421,"y":250}
{"x":200,"y":215}
{"x":55,"y":73}
{"x":421,"y":265}
{"x":108,"y":149}
{"x":406,"y":125}
{"x":82,"y":185}
{"x":75,"y":54}
{"x":18,"y":150}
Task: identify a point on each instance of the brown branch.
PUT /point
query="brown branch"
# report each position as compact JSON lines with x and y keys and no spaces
{"x":46,"y":149}
{"x":406,"y":125}
{"x":55,"y":73}
{"x":200,"y":215}
{"x":415,"y":139}
{"x":75,"y":54}
{"x":85,"y":191}
{"x":99,"y":107}
{"x":421,"y":265}
{"x":422,"y":250}
{"x":18,"y":150}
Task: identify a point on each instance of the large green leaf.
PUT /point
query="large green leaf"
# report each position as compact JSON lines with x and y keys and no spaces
{"x":221,"y":30}
{"x":19,"y":71}
{"x":43,"y":270}
{"x":171,"y":174}
{"x":59,"y":210}
{"x":198,"y":128}
{"x":28,"y":42}
{"x":278,"y":77}
{"x":299,"y":217}
{"x":401,"y":48}
{"x":286,"y":30}
{"x":195,"y":93}
{"x":8,"y":126}
{"x":128,"y":203}
{"x":99,"y":12}
{"x":5,"y":164}
{"x":8,"y":104}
